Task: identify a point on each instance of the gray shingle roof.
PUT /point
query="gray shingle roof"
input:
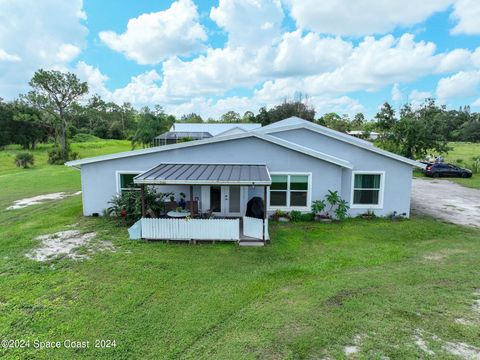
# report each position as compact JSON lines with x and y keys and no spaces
{"x":198,"y":174}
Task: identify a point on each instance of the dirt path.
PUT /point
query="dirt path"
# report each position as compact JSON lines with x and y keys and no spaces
{"x":447,"y":201}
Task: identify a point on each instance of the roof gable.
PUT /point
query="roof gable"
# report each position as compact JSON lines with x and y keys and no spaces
{"x":304,"y":124}
{"x":264,"y":137}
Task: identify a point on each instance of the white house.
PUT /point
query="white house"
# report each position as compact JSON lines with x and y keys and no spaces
{"x":291,"y":162}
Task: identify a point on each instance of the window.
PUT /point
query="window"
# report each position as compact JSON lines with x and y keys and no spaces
{"x":367,"y":189}
{"x":125,"y":181}
{"x":289,"y":191}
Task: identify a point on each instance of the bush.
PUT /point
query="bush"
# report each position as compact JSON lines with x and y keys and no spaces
{"x":128,"y":205}
{"x":81,"y":137}
{"x":24,"y":159}
{"x":295,"y":215}
{"x":55,"y":156}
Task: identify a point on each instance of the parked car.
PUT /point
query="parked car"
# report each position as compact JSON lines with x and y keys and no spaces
{"x":446,"y":170}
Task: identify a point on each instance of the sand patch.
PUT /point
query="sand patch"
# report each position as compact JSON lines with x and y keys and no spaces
{"x":421,"y":343}
{"x":442,"y":254}
{"x":463,"y":321}
{"x":462,"y":350}
{"x":355,"y":347}
{"x":40,"y":199}
{"x":70,"y":244}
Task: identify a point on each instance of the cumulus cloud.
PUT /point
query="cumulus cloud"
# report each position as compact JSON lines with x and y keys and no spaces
{"x":466,"y":13}
{"x":417,"y":98}
{"x":366,"y":17}
{"x":455,"y":60}
{"x":462,"y":84}
{"x":37,"y":34}
{"x":4,"y":56}
{"x":251,"y":23}
{"x":309,"y":54}
{"x":397,"y":95}
{"x":151,"y":38}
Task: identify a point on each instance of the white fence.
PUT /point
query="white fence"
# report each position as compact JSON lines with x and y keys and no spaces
{"x":197,"y":229}
{"x":254,"y":227}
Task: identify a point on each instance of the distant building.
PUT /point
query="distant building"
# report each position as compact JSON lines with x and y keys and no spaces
{"x":367,"y":135}
{"x":180,"y":132}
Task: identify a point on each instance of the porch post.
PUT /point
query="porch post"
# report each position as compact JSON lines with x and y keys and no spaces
{"x":191,"y":200}
{"x":264,"y":210}
{"x":142,"y":196}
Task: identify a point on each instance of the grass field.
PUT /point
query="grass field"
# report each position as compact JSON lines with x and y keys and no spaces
{"x":372,"y":288}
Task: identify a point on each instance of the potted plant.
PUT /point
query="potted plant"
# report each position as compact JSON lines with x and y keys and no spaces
{"x":172,"y":197}
{"x":318,"y":208}
{"x":182,"y":202}
{"x":370,"y":214}
{"x":280,"y":215}
{"x":342,"y":209}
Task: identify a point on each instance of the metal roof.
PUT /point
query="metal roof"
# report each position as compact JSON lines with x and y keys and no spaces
{"x":184,"y":134}
{"x":213,"y":128}
{"x":206,"y":174}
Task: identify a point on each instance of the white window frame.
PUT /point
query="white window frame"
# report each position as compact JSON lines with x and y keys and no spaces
{"x":380,"y":193}
{"x":288,"y":207}
{"x":125,"y":172}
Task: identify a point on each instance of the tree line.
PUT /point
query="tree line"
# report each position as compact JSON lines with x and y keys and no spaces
{"x":57,"y":110}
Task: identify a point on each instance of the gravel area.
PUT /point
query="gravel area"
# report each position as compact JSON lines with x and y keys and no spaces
{"x":447,"y":201}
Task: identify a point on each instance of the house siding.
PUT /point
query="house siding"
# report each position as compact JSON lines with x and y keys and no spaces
{"x":99,"y":179}
{"x":398,"y":175}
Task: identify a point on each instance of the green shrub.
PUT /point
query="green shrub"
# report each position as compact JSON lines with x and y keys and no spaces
{"x":55,"y":156}
{"x":295,"y":215}
{"x":81,"y":137}
{"x":24,"y":159}
{"x":129,"y":204}
{"x":308,"y":217}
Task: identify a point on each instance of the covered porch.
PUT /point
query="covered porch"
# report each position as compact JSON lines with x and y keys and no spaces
{"x":217,"y":206}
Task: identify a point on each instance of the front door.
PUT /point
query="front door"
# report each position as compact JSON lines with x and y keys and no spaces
{"x":226,"y":200}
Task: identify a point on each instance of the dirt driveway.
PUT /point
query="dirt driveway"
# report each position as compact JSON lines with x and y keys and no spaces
{"x":447,"y":201}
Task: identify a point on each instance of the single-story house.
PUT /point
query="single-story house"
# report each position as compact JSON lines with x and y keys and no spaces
{"x":290,"y":163}
{"x":180,"y":131}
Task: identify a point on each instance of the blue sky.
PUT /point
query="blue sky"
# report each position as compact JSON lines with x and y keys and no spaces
{"x":209,"y":57}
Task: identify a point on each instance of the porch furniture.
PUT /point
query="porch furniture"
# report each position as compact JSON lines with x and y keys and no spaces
{"x":219,"y":176}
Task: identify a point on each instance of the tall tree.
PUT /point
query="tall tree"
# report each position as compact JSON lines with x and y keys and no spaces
{"x":191,"y":118}
{"x":385,"y":118}
{"x":55,"y":92}
{"x":231,"y":117}
{"x":151,"y":123}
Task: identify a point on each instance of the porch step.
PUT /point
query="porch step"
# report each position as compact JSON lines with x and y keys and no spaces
{"x":251,"y":243}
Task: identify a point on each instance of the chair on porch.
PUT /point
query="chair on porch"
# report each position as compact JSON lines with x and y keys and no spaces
{"x":188,"y":207}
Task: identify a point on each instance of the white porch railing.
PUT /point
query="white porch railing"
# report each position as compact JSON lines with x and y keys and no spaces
{"x":253,"y":227}
{"x":197,"y":229}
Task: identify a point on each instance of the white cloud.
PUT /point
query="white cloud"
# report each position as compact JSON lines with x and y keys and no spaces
{"x":397,"y":95}
{"x":38,"y":34}
{"x":250,"y":23}
{"x":476,"y":103}
{"x":462,"y":84}
{"x":455,"y":60}
{"x":151,"y":38}
{"x":95,"y":79}
{"x":347,"y":17}
{"x":417,"y":98}
{"x":67,"y":52}
{"x":216,"y":72}
{"x":309,"y":54}
{"x":4,"y":56}
{"x":467,"y":13}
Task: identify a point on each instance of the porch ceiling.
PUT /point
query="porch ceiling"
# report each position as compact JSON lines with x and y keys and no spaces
{"x":205,"y":174}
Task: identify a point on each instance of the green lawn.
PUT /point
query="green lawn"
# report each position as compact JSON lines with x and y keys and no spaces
{"x":307,"y":295}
